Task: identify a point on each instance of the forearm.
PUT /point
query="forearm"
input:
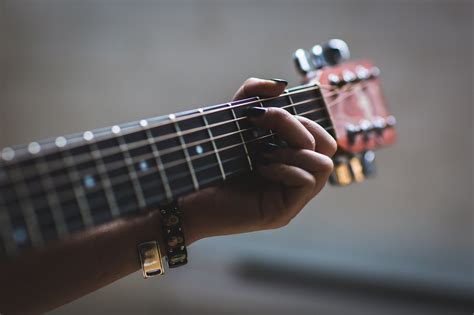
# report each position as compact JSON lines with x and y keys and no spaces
{"x":75,"y":267}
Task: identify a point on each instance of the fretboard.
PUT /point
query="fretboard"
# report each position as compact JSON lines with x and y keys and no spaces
{"x":53,"y":188}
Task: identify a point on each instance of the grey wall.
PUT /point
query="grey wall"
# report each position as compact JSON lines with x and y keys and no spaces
{"x":72,"y":65}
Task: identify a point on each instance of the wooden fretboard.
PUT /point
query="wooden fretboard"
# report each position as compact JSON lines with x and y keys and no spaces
{"x":50,"y":189}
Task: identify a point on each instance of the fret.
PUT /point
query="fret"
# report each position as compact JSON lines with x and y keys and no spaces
{"x":117,"y":171}
{"x":65,"y":193}
{"x":159,"y":163}
{"x":132,"y":172}
{"x":175,"y":165}
{"x":145,"y":165}
{"x":104,"y":178}
{"x":227,"y":139}
{"x":251,"y":135}
{"x":186,"y":153}
{"x":202,"y":153}
{"x":35,"y":211}
{"x":238,"y":124}
{"x":255,"y":132}
{"x":308,"y":101}
{"x":25,"y":217}
{"x":86,"y":180}
{"x":214,"y":147}
{"x":292,"y":108}
{"x":52,"y":197}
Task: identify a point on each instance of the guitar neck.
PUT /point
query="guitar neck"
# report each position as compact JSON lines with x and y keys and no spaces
{"x":53,"y":188}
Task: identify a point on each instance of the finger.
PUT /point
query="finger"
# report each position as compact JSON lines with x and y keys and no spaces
{"x":325,"y":143}
{"x":317,"y":164}
{"x":260,"y":87}
{"x":299,"y":187}
{"x":287,"y":175}
{"x":312,"y":162}
{"x":284,"y":124}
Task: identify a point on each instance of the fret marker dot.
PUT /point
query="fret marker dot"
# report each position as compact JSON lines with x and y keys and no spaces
{"x":88,"y":136}
{"x":20,"y":236}
{"x":89,"y":182}
{"x":172,"y":116}
{"x":60,"y":142}
{"x":116,"y":129}
{"x":143,"y":123}
{"x":8,"y":154}
{"x":255,"y":133}
{"x":199,"y":149}
{"x":34,"y":147}
{"x":143,"y":166}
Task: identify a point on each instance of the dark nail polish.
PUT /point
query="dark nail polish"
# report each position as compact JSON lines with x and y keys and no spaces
{"x":256,"y":111}
{"x":280,"y":81}
{"x":267,"y":147}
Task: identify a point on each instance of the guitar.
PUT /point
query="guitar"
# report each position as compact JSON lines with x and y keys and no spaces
{"x":53,"y":188}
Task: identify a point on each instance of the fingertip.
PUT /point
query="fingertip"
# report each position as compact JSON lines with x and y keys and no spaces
{"x":261,"y":87}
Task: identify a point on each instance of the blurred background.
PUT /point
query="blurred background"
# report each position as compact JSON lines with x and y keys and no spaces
{"x":400,"y":243}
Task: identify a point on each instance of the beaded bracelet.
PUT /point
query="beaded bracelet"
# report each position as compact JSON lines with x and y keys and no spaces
{"x":173,"y":235}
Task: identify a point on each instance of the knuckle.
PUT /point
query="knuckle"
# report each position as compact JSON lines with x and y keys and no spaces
{"x":326,"y":164}
{"x":311,"y":142}
{"x":332,"y":146}
{"x":276,"y":219}
{"x":279,"y":222}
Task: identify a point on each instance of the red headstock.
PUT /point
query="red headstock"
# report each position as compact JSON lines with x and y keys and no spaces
{"x":356,"y":104}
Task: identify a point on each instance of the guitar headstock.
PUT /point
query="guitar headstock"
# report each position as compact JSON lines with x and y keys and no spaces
{"x":356,"y":105}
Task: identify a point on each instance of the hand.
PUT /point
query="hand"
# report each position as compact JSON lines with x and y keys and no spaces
{"x":278,"y":190}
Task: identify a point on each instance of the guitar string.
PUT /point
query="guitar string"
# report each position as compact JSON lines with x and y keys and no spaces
{"x":225,"y":108}
{"x":159,"y":196}
{"x":125,"y":177}
{"x":245,"y":102}
{"x":149,"y":156}
{"x":62,"y":180}
{"x":84,"y":158}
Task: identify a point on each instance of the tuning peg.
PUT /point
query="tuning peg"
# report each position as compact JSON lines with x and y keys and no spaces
{"x":341,"y":175}
{"x":368,"y":163}
{"x":331,"y":53}
{"x":302,"y":61}
{"x":317,"y":56}
{"x":357,"y":169}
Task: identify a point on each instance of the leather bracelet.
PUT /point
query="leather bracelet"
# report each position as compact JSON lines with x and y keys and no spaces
{"x":173,"y":235}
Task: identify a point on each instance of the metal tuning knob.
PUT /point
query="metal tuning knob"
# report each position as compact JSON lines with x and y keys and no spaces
{"x":357,"y":168}
{"x":302,"y":61}
{"x":368,"y":163}
{"x":341,"y":175}
{"x":334,"y":52}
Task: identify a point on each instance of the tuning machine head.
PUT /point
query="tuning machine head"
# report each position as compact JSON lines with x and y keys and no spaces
{"x":334,"y":52}
{"x":303,"y":61}
{"x":353,"y":168}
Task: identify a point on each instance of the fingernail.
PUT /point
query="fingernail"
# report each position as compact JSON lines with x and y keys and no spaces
{"x":280,"y":81}
{"x":256,"y":111}
{"x":267,"y":147}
